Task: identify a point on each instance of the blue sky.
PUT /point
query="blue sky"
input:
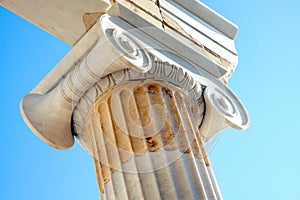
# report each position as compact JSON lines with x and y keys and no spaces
{"x":262,"y":162}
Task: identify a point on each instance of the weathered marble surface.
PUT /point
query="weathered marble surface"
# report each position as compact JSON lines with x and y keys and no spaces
{"x":143,"y":91}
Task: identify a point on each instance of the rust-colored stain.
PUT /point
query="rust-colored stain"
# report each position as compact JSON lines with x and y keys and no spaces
{"x":146,"y":129}
{"x":151,"y":143}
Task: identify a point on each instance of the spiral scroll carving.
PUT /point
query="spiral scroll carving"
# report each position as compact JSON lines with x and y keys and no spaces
{"x":126,"y":45}
{"x":228,"y":105}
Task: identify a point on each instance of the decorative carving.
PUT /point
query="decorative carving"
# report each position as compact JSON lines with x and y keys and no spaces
{"x":226,"y":102}
{"x":223,"y":106}
{"x":160,"y":71}
{"x":126,"y":45}
{"x":112,"y":53}
{"x":120,"y":146}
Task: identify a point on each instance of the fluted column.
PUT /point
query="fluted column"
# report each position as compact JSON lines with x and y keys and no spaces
{"x":144,"y":121}
{"x":146,"y":144}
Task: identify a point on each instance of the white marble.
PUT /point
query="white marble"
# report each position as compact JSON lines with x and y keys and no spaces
{"x":179,"y":90}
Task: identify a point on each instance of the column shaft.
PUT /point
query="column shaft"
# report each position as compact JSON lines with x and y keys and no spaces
{"x":146,"y":144}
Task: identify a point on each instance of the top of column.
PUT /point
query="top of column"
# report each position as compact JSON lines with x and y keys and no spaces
{"x":136,"y":34}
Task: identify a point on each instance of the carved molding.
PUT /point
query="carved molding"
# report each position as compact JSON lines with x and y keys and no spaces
{"x":49,"y":115}
{"x":160,"y":71}
{"x":125,"y":57}
{"x":223,"y":107}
